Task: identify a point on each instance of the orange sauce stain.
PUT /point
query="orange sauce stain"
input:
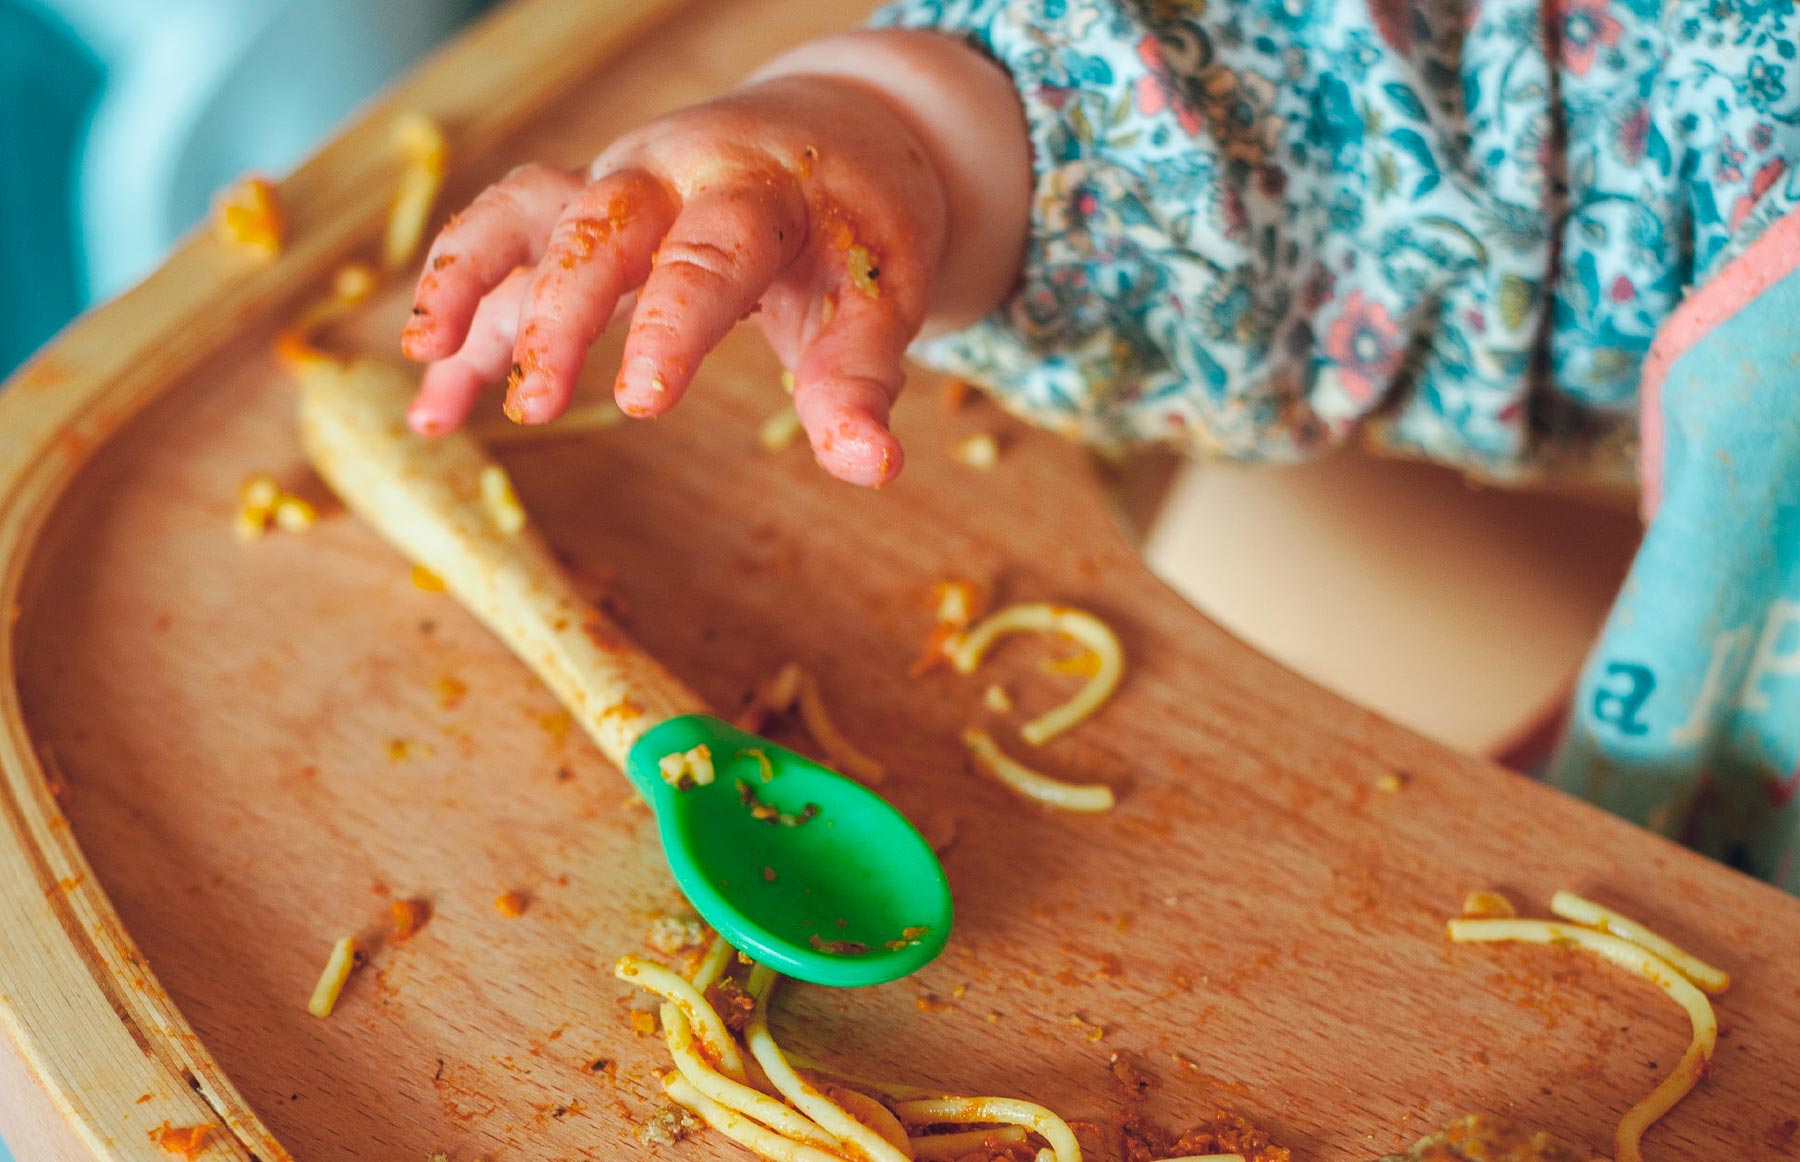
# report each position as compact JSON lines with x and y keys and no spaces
{"x":184,"y":1141}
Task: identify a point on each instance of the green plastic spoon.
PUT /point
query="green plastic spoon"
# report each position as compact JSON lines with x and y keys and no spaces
{"x":799,"y":867}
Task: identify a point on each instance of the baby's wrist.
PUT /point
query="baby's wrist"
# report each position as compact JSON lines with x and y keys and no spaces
{"x":962,"y":110}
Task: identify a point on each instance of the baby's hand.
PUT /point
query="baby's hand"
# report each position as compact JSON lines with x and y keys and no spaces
{"x":804,"y":200}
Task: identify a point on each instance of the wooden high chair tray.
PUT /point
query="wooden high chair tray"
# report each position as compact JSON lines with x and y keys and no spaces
{"x":218,"y":757}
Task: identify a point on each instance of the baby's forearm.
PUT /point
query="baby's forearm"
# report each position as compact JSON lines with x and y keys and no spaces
{"x":964,"y":111}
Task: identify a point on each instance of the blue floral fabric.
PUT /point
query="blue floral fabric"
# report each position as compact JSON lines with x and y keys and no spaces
{"x":1265,"y":227}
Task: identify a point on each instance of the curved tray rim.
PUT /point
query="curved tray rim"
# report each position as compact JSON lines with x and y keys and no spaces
{"x":93,"y":1027}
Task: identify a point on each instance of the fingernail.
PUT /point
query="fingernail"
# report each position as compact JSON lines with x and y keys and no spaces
{"x":418,"y":418}
{"x":639,"y":390}
{"x":514,"y":407}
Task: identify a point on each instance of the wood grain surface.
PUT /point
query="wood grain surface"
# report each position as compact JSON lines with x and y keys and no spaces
{"x":264,"y":745}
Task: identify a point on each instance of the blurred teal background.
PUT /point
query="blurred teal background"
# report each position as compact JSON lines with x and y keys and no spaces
{"x":119,"y":118}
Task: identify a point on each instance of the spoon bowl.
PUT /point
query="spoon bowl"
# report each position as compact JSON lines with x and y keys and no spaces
{"x":801,"y":868}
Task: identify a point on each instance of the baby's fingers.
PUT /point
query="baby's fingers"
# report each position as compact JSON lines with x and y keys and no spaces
{"x":504,"y":228}
{"x":450,"y":386}
{"x":844,"y":389}
{"x":601,"y":249}
{"x":718,"y":259}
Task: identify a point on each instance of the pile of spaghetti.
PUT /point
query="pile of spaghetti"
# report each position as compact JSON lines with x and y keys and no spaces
{"x":732,"y":1075}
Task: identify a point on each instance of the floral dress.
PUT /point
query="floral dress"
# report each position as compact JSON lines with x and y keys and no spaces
{"x":1451,"y":229}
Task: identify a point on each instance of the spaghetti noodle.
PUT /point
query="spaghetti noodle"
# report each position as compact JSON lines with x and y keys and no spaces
{"x":1570,"y":906}
{"x":426,"y":152}
{"x":843,"y":754}
{"x":501,"y":502}
{"x":1088,"y":797}
{"x":331,"y":981}
{"x":1635,"y":954}
{"x":966,"y":651}
{"x":787,"y":1108}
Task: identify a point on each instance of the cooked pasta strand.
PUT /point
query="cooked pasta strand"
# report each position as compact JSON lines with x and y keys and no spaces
{"x":966,"y":650}
{"x":845,"y":755}
{"x":1088,"y":797}
{"x":807,"y":1099}
{"x":761,"y":1140}
{"x":735,"y":1095}
{"x":712,"y":966}
{"x":706,"y":1022}
{"x":994,"y":1111}
{"x":1570,"y":906}
{"x":1694,"y":1063}
{"x":962,"y":1143}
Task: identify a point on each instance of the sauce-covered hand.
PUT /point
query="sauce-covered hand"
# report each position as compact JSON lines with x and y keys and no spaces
{"x":829,"y":206}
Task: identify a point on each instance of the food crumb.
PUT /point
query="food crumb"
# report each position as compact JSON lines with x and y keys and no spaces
{"x":908,"y":937}
{"x":667,"y":1126}
{"x":1390,"y":783}
{"x":954,"y":394}
{"x":673,"y":935}
{"x":424,"y":579}
{"x":501,"y":501}
{"x":512,"y":905}
{"x":186,"y":1141}
{"x":1485,"y":905}
{"x":1094,"y":1032}
{"x":957,"y":603}
{"x":688,"y":769}
{"x":931,"y":1003}
{"x":557,"y":724}
{"x":859,"y":264}
{"x":409,"y":917}
{"x":1227,"y":1133}
{"x":1484,"y":1136}
{"x":247,"y":215}
{"x":1083,"y":665}
{"x":996,"y":698}
{"x":263,"y":505}
{"x":779,"y":430}
{"x":295,"y":514}
{"x":1133,"y":1082}
{"x":837,"y":947}
{"x":733,"y":1003}
{"x":980,"y":451}
{"x":451,"y":692}
{"x":643,"y":1022}
{"x":768,"y":874}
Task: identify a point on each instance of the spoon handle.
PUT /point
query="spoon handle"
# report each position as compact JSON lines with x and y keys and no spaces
{"x":424,"y":496}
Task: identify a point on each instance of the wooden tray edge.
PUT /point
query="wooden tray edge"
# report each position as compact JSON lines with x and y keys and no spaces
{"x":85,"y":1014}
